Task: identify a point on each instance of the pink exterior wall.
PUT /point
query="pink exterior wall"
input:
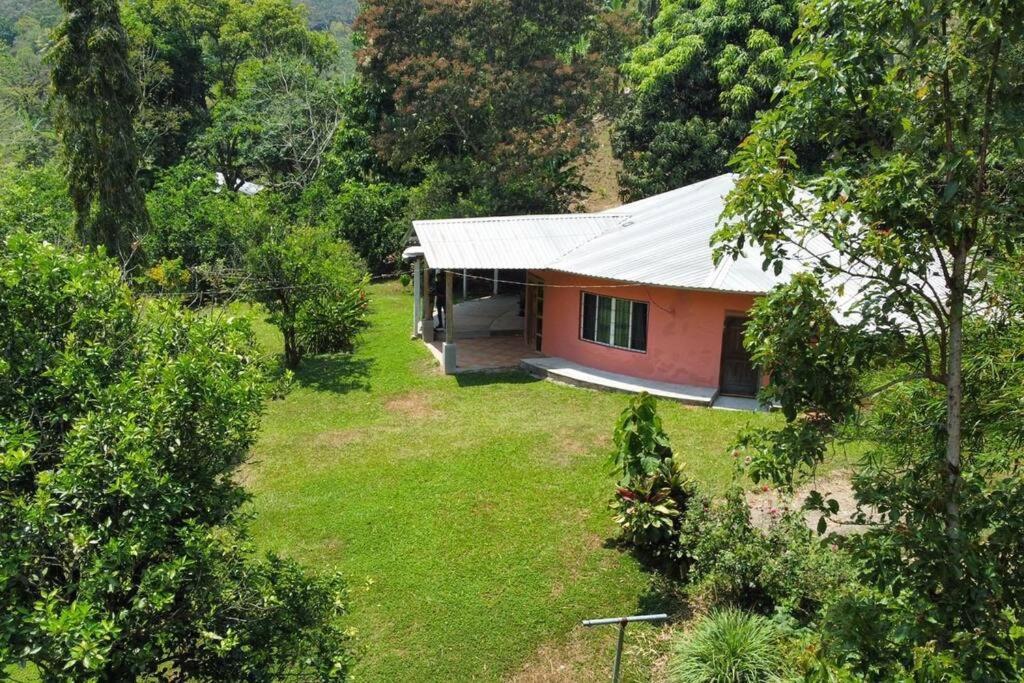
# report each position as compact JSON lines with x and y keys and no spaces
{"x":684,"y":329}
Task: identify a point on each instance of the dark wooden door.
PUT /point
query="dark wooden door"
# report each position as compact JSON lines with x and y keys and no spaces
{"x":738,"y":376}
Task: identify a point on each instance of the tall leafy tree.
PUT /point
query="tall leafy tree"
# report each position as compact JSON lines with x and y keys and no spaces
{"x":918,"y":198}
{"x":696,"y":85}
{"x":125,"y":553}
{"x":493,"y":95}
{"x":97,"y":97}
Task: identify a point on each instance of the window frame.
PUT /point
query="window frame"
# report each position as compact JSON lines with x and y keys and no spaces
{"x":611,"y":323}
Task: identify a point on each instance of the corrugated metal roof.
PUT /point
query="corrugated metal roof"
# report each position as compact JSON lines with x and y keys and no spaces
{"x":509,"y":242}
{"x":664,"y":240}
{"x":667,"y":242}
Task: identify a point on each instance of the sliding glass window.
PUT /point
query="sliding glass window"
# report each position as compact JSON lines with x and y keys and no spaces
{"x":613,"y":322}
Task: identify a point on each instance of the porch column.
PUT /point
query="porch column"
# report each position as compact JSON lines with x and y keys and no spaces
{"x":495,"y":282}
{"x":417,"y":298}
{"x":427,"y":321}
{"x":448,"y":348}
{"x":465,"y":279}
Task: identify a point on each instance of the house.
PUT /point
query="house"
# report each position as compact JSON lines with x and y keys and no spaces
{"x":629,"y":298}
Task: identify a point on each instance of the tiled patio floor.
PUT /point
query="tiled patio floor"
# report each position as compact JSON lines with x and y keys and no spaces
{"x":487,"y":353}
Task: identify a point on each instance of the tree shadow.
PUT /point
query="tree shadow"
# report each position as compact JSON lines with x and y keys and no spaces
{"x":666,"y":585}
{"x":483,"y":378}
{"x":339,"y":373}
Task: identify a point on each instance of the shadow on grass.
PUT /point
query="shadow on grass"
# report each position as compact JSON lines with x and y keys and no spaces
{"x":488,"y":377}
{"x":340,"y":373}
{"x":666,"y":585}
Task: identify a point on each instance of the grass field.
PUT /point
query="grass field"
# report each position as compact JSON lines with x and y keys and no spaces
{"x":468,"y":513}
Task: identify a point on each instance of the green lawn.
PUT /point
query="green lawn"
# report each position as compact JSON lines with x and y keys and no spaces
{"x":469,"y":514}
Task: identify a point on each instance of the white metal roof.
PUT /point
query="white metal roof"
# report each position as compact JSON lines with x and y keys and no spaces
{"x":508,"y":242}
{"x":664,"y":240}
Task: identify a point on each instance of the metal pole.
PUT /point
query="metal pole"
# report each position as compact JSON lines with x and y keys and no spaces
{"x":465,"y":280}
{"x":617,"y":668}
{"x":622,"y":622}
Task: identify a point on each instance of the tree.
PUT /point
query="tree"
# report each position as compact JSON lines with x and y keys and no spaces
{"x":26,"y":129}
{"x":197,"y":223}
{"x":122,"y":427}
{"x":97,"y":97}
{"x":372,"y":217}
{"x":35,"y":199}
{"x":313,"y":287}
{"x":696,"y":85}
{"x":918,"y":197}
{"x":279,"y":126}
{"x":491,"y":96}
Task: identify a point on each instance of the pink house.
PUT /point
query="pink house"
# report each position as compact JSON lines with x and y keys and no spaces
{"x":626,"y":299}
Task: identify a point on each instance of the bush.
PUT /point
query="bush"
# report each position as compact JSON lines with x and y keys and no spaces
{"x":330,"y":325}
{"x":732,"y":562}
{"x":36,"y":200}
{"x":125,"y":547}
{"x":654,"y":491}
{"x":729,"y":646}
{"x":648,"y":509}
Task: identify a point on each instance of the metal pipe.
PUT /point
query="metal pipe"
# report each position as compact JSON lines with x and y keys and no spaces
{"x":628,"y":620}
{"x":622,"y":622}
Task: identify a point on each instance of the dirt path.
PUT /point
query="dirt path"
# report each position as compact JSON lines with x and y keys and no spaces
{"x":767,"y":505}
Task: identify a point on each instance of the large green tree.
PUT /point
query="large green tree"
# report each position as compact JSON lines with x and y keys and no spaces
{"x":912,"y":209}
{"x":97,"y":97}
{"x":122,"y":428}
{"x":493,"y":96}
{"x":695,"y":87}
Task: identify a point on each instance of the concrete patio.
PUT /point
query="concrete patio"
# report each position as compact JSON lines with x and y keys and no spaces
{"x":502,"y":352}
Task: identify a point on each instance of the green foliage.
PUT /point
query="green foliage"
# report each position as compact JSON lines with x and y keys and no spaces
{"x":648,"y":509}
{"x":278,"y":125}
{"x":697,"y":84}
{"x":732,"y":562}
{"x":122,"y":428}
{"x":918,"y":199}
{"x":654,"y":491}
{"x":814,"y":366}
{"x":313,"y":287}
{"x":641,"y":444}
{"x":198,"y":222}
{"x":26,"y":129}
{"x":35,"y":199}
{"x":332,"y":325}
{"x":97,"y":97}
{"x":372,"y":217}
{"x":498,"y":100}
{"x":729,"y":646}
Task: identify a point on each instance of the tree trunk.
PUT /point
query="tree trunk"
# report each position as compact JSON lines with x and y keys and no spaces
{"x":954,"y":388}
{"x":291,"y":348}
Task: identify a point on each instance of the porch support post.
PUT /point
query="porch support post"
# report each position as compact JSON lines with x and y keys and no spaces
{"x":417,"y":298}
{"x":427,"y":322}
{"x":495,"y":282}
{"x":448,"y":349}
{"x":465,"y":279}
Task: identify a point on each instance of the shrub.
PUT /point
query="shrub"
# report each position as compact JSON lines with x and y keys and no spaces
{"x":729,"y":646}
{"x":331,"y":325}
{"x":125,"y":553}
{"x":654,"y":491}
{"x":648,"y":509}
{"x":732,"y":562}
{"x":641,"y":443}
